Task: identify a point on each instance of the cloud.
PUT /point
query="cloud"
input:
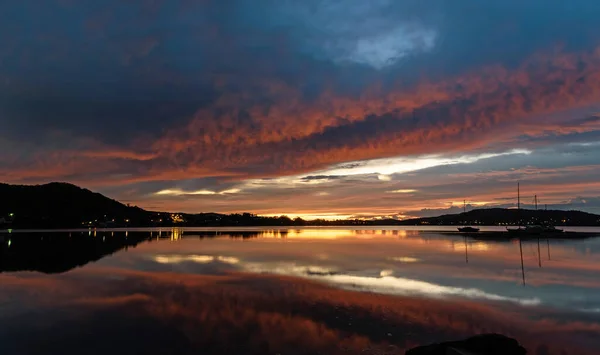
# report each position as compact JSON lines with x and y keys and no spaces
{"x":404,"y":165}
{"x":402,"y":191}
{"x":109,"y":96}
{"x":179,"y":192}
{"x":362,"y":33}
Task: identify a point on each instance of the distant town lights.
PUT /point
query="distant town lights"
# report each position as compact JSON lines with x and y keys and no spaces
{"x":177,"y":218}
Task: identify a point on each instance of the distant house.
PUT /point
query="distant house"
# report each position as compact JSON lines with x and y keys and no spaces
{"x":108,"y":224}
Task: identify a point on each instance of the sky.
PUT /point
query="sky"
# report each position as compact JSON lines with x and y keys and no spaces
{"x":312,"y":108}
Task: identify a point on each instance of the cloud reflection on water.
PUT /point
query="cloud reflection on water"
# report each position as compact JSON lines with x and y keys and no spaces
{"x":392,"y":285}
{"x":165,"y":312}
{"x":385,"y":283}
{"x":206,"y":293}
{"x":202,"y":259}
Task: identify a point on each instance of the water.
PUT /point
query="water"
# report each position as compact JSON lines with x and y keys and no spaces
{"x":307,"y":291}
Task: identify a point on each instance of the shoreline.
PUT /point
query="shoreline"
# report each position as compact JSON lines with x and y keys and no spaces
{"x":446,"y":230}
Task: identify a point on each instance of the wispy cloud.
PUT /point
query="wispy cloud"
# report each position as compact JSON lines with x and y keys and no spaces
{"x":402,"y":191}
{"x":179,"y":192}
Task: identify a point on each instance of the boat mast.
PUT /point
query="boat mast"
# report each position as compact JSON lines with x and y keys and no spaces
{"x":464,"y":211}
{"x":519,"y":203}
{"x":537,"y":220}
{"x":518,"y":196}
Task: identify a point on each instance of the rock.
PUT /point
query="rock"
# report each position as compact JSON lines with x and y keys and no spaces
{"x":485,"y":344}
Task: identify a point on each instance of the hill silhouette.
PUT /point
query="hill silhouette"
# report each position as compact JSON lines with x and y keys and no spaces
{"x":64,"y":205}
{"x":503,"y":216}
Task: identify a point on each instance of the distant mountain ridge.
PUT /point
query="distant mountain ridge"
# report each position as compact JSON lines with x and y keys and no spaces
{"x":64,"y":205}
{"x":503,"y":216}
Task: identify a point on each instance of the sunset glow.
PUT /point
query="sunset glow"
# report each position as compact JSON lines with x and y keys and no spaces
{"x":312,"y":109}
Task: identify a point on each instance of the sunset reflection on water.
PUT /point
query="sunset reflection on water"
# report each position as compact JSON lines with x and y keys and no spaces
{"x":318,"y":233}
{"x":333,"y":291}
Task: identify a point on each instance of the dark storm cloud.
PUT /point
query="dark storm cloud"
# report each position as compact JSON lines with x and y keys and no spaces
{"x":94,"y":68}
{"x":506,"y":32}
{"x":120,"y":93}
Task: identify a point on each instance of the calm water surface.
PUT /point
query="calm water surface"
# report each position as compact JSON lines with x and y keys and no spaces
{"x":308,"y":291}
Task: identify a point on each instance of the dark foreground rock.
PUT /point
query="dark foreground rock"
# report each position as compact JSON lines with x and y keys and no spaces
{"x":485,"y":344}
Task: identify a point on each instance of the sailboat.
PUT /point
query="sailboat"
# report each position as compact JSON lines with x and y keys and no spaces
{"x":530,"y":229}
{"x":547,"y":227}
{"x":467,"y":229}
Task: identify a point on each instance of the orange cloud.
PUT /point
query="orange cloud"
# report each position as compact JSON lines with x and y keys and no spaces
{"x":291,"y":134}
{"x":273,"y":130}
